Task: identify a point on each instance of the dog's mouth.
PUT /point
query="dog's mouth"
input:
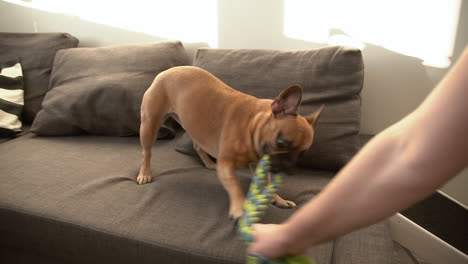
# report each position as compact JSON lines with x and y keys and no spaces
{"x":280,"y":160}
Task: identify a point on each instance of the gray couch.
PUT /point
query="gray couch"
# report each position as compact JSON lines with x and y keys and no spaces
{"x":67,"y":183}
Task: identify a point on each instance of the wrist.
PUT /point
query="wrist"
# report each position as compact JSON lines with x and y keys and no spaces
{"x":293,"y":239}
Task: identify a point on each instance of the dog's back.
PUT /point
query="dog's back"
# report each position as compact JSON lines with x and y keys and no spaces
{"x":201,"y":103}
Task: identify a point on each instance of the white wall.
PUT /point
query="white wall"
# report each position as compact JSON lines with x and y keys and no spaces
{"x":395,"y":81}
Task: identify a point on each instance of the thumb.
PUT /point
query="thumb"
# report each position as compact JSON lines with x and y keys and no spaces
{"x":266,"y":241}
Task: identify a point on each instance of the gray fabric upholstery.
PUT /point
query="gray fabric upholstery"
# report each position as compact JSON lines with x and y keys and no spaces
{"x":37,"y":52}
{"x":365,"y":246}
{"x":99,"y":90}
{"x":332,"y":76}
{"x":75,"y":199}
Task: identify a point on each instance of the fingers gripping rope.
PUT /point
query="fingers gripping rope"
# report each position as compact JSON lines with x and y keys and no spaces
{"x":258,"y":198}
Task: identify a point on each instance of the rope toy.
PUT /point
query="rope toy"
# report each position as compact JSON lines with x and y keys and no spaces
{"x":258,"y":198}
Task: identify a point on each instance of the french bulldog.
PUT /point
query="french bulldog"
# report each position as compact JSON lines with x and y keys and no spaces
{"x":231,"y":126}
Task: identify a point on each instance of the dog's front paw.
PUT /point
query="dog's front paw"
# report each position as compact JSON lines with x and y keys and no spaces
{"x":235,"y":213}
{"x":281,"y":203}
{"x":143,"y":178}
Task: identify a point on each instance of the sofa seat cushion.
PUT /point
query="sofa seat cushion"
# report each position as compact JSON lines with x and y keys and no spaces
{"x":75,"y":199}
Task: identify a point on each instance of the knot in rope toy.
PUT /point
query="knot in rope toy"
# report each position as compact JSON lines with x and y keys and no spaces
{"x":261,"y":191}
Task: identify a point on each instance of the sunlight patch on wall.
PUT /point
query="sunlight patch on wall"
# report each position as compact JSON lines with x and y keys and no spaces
{"x":186,"y":20}
{"x":421,"y":28}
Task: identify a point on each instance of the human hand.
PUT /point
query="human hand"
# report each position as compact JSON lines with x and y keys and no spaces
{"x":272,"y":241}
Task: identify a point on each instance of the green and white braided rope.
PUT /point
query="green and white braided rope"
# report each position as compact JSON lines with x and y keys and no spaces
{"x":258,"y":198}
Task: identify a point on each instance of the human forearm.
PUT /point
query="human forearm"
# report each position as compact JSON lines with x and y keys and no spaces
{"x":384,"y":176}
{"x":401,"y":166}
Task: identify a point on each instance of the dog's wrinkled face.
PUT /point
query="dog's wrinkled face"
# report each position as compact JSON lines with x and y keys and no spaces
{"x":288,"y":134}
{"x":292,"y":136}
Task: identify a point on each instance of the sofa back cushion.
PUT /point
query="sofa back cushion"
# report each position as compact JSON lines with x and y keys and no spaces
{"x":332,"y":76}
{"x":37,"y":52}
{"x":99,"y":90}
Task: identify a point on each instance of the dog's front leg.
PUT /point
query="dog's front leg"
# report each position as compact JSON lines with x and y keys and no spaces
{"x":226,"y":174}
{"x":276,"y":199}
{"x":282,"y":203}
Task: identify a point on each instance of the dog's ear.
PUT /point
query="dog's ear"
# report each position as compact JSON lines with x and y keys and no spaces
{"x":287,"y":103}
{"x":312,"y":118}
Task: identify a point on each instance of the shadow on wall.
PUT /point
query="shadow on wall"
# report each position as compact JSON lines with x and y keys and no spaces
{"x":394,"y":84}
{"x":90,"y":34}
{"x":24,"y":19}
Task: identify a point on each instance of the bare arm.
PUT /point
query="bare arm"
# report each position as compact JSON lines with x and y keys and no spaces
{"x":402,"y":165}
